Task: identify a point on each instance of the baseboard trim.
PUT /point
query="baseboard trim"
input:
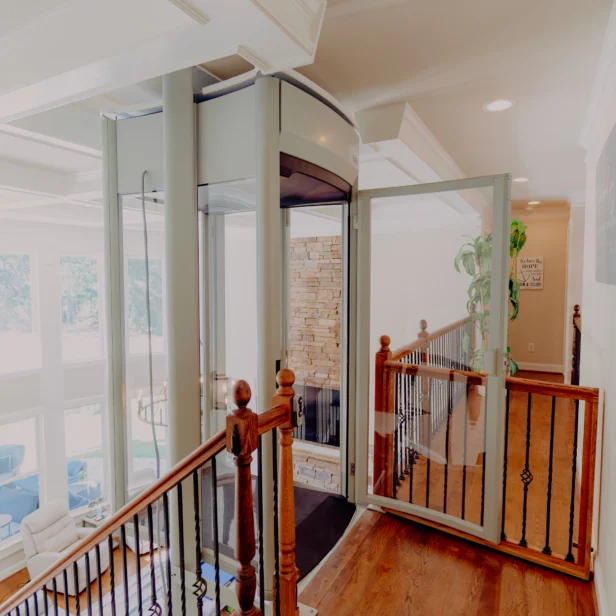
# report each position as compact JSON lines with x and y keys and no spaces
{"x":602,"y":606}
{"x":11,"y":570}
{"x":556,"y":368}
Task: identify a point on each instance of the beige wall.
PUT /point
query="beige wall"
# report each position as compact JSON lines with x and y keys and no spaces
{"x":542,"y":312}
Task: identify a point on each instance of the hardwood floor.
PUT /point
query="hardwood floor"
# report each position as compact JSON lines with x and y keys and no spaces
{"x":13,"y":583}
{"x":390,"y":566}
{"x":539,"y":455}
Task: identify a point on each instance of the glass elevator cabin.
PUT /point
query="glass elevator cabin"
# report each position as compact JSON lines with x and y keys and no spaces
{"x":231,"y":212}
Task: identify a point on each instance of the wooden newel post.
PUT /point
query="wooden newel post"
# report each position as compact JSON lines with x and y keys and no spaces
{"x":242,"y":440}
{"x":286,"y":595}
{"x":383,"y":480}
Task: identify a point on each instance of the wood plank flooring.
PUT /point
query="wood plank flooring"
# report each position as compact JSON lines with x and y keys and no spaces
{"x":13,"y":583}
{"x":390,"y":566}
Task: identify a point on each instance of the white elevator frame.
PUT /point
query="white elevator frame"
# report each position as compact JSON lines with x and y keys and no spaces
{"x":495,"y":400}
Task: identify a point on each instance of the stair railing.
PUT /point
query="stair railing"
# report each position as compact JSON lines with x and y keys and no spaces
{"x":179,"y":586}
{"x":420,"y":407}
{"x":549,"y":454}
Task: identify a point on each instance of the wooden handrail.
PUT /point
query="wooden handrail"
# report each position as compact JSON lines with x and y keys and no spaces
{"x":387,"y":457}
{"x":178,"y":473}
{"x":425,"y":337}
{"x":279,"y":416}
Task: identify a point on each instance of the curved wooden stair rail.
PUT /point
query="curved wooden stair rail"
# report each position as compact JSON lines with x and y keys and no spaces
{"x":240,"y":438}
{"x":581,"y":470}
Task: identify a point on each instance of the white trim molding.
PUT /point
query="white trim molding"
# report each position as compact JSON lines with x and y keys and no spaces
{"x":535,"y":367}
{"x":600,"y":589}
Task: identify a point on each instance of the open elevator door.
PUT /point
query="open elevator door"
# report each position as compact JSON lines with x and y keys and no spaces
{"x":431,"y":350}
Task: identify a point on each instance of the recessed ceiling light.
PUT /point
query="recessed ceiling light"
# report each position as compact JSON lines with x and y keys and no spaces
{"x":520,"y":180}
{"x":500,"y":104}
{"x":534,"y":202}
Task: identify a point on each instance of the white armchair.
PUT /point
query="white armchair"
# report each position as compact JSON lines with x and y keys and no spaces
{"x":49,"y":534}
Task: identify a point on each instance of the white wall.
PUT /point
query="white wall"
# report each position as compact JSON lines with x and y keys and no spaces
{"x":599,"y":327}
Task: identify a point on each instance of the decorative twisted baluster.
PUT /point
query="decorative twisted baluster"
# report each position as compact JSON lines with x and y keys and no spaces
{"x":200,"y":585}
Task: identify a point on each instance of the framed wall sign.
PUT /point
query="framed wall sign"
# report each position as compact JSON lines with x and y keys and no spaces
{"x":530,"y":272}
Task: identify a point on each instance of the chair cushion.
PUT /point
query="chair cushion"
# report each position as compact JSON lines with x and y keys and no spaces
{"x":62,"y":540}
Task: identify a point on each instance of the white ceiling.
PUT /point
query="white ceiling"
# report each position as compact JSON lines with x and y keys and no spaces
{"x":447,"y":58}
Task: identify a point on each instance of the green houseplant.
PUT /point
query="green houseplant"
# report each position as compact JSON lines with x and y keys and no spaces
{"x":475,"y":258}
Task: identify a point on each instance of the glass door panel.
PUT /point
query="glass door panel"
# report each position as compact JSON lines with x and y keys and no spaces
{"x":146,"y":412}
{"x":437,"y":268}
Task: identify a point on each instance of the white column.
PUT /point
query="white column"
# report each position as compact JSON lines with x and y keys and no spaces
{"x":182,"y":278}
{"x":114,"y":291}
{"x":269,"y":273}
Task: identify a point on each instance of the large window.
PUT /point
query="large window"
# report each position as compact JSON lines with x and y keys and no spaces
{"x":81,"y":333}
{"x":83,"y":430}
{"x":137,"y":306}
{"x":19,"y":480}
{"x":18,"y":340}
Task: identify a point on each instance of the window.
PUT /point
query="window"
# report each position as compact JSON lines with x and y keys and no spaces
{"x":137,"y":307}
{"x":83,"y":429}
{"x":19,"y":480}
{"x":21,"y":350}
{"x":81,"y":337}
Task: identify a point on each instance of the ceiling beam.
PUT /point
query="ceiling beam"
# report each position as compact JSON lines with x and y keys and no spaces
{"x":34,"y":180}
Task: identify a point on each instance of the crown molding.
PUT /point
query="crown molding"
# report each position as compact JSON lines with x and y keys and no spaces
{"x":188,"y":9}
{"x":301,"y":20}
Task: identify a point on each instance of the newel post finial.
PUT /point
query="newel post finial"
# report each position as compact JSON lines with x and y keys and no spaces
{"x":576,"y":311}
{"x":385,"y":342}
{"x":242,"y":394}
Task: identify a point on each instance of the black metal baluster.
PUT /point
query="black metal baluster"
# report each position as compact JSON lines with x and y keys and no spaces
{"x":505,"y":462}
{"x":65,"y":582}
{"x":76,"y":580}
{"x":395,"y":477}
{"x":276,"y":538}
{"x":168,"y":551}
{"x":124,"y":569}
{"x":35,"y":597}
{"x":200,"y":584}
{"x":54,"y":586}
{"x":430,"y":388}
{"x":260,"y":521}
{"x":28,"y":607}
{"x":483,"y":466}
{"x":88,"y":583}
{"x":138,"y":559}
{"x":526,"y":475}
{"x":181,"y":548}
{"x":46,"y":602}
{"x":99,"y":584}
{"x":446,"y":469}
{"x":155,"y":608}
{"x":546,"y":548}
{"x":412,"y":386}
{"x":569,"y":556}
{"x":215,"y":530}
{"x":468,"y":389}
{"x":111,"y":575}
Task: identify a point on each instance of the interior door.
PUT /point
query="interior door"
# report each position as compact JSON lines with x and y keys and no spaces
{"x":432,"y":279}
